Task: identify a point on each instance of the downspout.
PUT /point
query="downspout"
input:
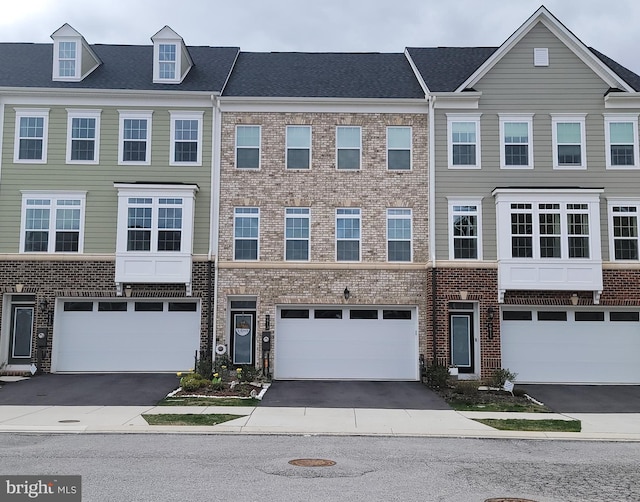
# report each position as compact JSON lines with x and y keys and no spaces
{"x":432,"y":226}
{"x":214,"y":217}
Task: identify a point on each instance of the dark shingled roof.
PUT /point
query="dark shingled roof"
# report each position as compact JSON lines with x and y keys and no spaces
{"x":627,"y":75}
{"x":318,"y":75}
{"x":123,"y":67}
{"x":443,"y":69}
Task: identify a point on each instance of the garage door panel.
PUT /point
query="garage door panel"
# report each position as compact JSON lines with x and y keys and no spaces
{"x":99,"y":341}
{"x":364,"y":349}
{"x":572,"y":351}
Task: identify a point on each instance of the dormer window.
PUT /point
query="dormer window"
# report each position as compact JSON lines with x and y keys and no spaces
{"x":171,"y":59}
{"x":67,"y":59}
{"x":73,"y":58}
{"x":167,"y":61}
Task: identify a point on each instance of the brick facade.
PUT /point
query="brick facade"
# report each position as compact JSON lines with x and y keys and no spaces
{"x":49,"y":280}
{"x":323,"y":189}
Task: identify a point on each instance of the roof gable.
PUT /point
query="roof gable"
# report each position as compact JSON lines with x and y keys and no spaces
{"x":542,"y":15}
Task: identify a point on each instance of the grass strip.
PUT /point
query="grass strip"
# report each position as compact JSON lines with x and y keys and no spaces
{"x":189,"y":419}
{"x":518,"y":424}
{"x":208,"y":401}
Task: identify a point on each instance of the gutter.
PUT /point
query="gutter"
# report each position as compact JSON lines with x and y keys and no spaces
{"x":216,"y":143}
{"x":431,"y":226}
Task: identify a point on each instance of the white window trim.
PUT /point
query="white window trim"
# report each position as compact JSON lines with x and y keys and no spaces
{"x":308,"y":239}
{"x":454,"y":117}
{"x":401,"y":149}
{"x":287,"y":147}
{"x":235,"y":159}
{"x":561,"y":118}
{"x":610,"y":118}
{"x":359,"y":148}
{"x":53,"y":196}
{"x":185,"y":115}
{"x":409,"y":217}
{"x":89,"y":114}
{"x":156,"y":62}
{"x":508,"y":118}
{"x":233,"y":235}
{"x":134,"y":114}
{"x":611,"y":203}
{"x":31,"y":112}
{"x":464,"y":202}
{"x":348,"y":216}
{"x":56,"y":60}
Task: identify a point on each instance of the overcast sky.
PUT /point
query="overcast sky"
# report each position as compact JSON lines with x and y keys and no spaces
{"x":324,"y":25}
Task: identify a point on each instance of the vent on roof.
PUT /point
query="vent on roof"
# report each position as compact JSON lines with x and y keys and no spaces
{"x":541,"y":56}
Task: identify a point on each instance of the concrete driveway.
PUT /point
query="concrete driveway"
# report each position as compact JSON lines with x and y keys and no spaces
{"x":112,"y":389}
{"x":587,"y":398}
{"x":352,"y":394}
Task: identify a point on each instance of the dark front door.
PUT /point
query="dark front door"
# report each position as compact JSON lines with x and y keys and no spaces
{"x":462,"y":342}
{"x":20,"y":334}
{"x":243,"y":336}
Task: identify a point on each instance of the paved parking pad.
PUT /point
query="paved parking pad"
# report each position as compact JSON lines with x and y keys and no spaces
{"x":112,"y":389}
{"x":586,"y":398}
{"x":352,"y":394}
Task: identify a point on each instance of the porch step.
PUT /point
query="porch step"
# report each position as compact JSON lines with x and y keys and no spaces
{"x":21,"y":373}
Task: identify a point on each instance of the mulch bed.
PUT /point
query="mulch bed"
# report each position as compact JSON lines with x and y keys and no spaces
{"x":240,"y":390}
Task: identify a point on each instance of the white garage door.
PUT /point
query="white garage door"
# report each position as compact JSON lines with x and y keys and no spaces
{"x":112,"y":336}
{"x":559,"y":346}
{"x":360,"y":343}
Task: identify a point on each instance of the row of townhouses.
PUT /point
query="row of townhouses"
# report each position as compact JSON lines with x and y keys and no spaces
{"x":369,"y":213}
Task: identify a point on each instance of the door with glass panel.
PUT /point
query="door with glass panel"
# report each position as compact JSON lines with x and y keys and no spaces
{"x":462,"y":343}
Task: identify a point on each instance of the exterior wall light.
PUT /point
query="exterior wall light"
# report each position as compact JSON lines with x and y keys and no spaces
{"x":347,"y":294}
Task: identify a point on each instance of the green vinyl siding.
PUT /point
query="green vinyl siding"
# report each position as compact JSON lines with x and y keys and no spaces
{"x":515,"y":86}
{"x":97,"y":180}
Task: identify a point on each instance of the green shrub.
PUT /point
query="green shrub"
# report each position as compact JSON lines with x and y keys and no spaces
{"x":437,"y":376}
{"x":519,"y":392}
{"x":221,"y":364}
{"x":466,"y":387}
{"x":192,"y":382}
{"x":500,"y":376}
{"x":204,"y":367}
{"x":249,"y":373}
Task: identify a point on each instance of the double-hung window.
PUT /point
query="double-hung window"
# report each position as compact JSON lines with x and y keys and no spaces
{"x":348,"y":147}
{"x":67,"y":57}
{"x":298,"y":147}
{"x":83,"y":136}
{"x":465,"y":229}
{"x":399,"y":141}
{"x":516,"y":149}
{"x":399,"y":223}
{"x":621,"y":135}
{"x":623,"y":230}
{"x":348,"y":234}
{"x":463,"y":133}
{"x":52,"y":222}
{"x":246,"y":233}
{"x":569,"y":141}
{"x":167,"y":61}
{"x":135,"y":137}
{"x":247,"y":147}
{"x":32,"y":129}
{"x":186,"y":138}
{"x":297,"y":233}
{"x":154,"y":223}
{"x":563,"y":230}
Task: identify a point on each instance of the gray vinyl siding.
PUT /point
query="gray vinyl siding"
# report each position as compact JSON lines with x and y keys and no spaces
{"x":515,"y":86}
{"x":98,"y":179}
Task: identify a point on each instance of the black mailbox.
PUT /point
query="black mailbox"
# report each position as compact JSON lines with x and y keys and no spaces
{"x":42,"y":337}
{"x":266,"y":341}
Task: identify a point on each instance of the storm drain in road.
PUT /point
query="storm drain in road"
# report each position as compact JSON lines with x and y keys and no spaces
{"x":68,"y":421}
{"x":509,"y":500}
{"x":312,"y":462}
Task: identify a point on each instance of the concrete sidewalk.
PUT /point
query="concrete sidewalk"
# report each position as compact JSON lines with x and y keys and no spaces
{"x":334,"y":421}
